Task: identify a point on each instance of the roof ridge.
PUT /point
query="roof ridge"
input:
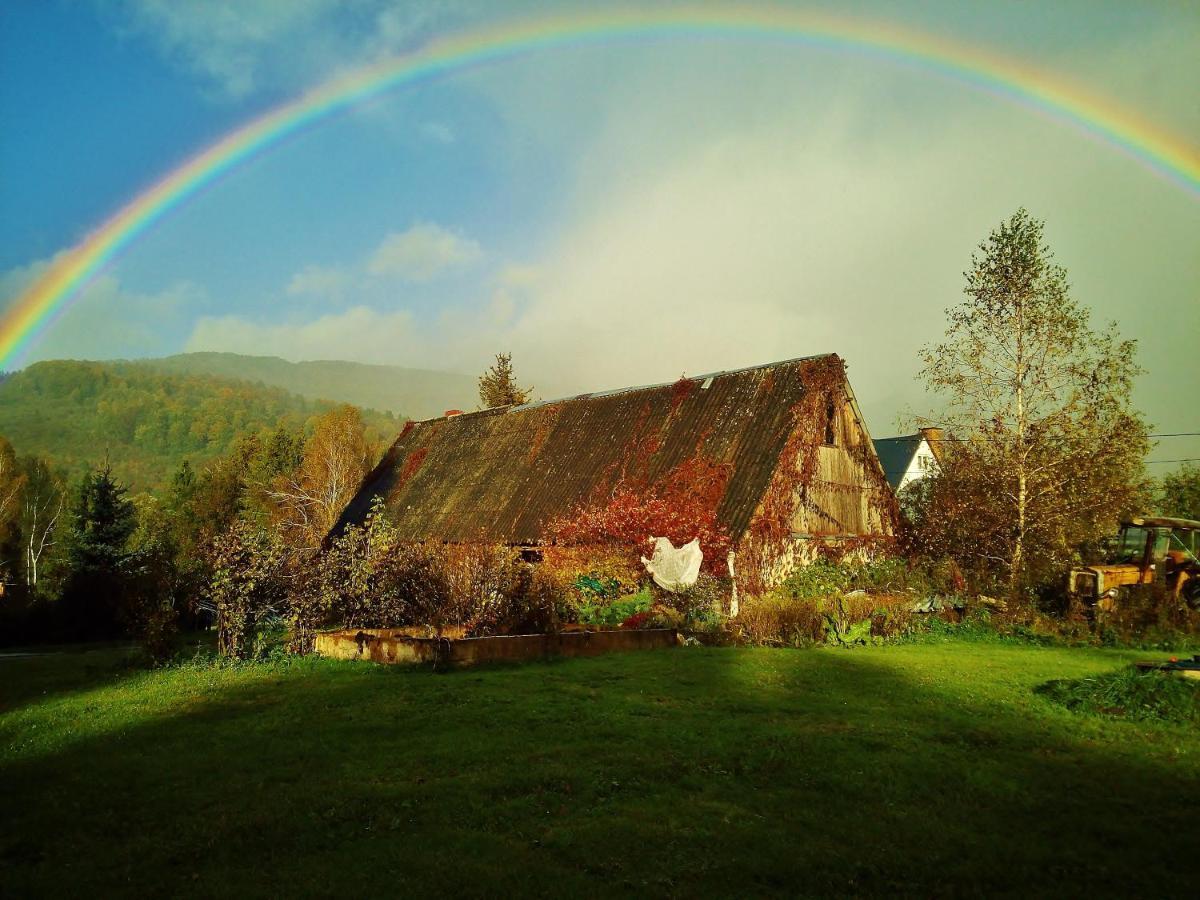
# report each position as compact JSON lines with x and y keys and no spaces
{"x":612,"y":392}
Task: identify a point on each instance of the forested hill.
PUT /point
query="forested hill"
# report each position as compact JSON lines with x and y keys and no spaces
{"x":147,"y":421}
{"x":415,"y":393}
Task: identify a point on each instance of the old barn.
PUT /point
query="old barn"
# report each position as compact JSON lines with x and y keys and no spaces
{"x":797,"y":464}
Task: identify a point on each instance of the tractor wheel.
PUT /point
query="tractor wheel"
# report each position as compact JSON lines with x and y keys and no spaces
{"x":1191,"y":592}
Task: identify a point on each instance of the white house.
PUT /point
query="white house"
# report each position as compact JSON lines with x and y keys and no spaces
{"x":910,"y":457}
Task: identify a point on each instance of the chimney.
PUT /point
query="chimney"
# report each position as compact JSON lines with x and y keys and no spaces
{"x":451,"y":413}
{"x":934,"y":437}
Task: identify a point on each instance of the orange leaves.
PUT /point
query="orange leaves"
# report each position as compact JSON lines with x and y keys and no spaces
{"x":680,"y":506}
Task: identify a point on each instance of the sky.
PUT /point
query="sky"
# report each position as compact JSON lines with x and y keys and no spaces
{"x":613,"y":214}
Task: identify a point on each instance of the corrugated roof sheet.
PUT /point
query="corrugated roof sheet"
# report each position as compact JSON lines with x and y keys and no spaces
{"x":503,"y":474}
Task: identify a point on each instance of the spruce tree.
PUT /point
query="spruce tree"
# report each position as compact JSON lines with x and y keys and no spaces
{"x":498,"y":385}
{"x":98,"y":554}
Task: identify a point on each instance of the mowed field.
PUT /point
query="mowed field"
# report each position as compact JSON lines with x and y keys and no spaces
{"x":922,"y":769}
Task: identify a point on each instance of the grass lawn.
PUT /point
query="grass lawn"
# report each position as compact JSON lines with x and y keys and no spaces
{"x":924,"y":769}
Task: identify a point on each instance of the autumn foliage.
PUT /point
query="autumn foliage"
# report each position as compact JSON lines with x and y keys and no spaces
{"x":680,"y":506}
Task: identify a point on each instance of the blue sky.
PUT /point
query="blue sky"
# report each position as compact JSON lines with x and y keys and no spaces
{"x":612,"y":215}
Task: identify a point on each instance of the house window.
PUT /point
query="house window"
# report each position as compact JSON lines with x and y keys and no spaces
{"x":831,"y":423}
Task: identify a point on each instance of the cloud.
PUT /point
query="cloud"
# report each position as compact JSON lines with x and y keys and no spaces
{"x":423,"y":252}
{"x":359,"y":333}
{"x":225,"y":41}
{"x":108,"y":320}
{"x":324,"y":282}
{"x":241,"y":46}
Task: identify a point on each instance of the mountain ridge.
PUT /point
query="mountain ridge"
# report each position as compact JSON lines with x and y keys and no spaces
{"x":146,"y":421}
{"x":410,"y":392}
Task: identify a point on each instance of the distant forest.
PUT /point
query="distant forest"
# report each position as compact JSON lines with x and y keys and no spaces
{"x":415,"y":393}
{"x":146,"y":421}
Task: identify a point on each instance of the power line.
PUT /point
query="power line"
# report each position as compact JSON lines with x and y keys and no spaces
{"x":1162,"y":462}
{"x":964,"y":440}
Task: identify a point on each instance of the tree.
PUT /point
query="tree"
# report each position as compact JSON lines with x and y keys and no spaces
{"x":336,"y":460}
{"x":12,"y":487}
{"x":498,"y":385}
{"x":41,"y":510}
{"x":97,"y":579}
{"x":1181,"y":493}
{"x":159,"y":584}
{"x":1048,"y":449}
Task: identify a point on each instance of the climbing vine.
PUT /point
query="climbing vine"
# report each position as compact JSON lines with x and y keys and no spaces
{"x":769,"y":542}
{"x":680,"y":506}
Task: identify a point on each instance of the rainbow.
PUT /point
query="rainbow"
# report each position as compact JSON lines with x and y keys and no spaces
{"x":1165,"y":154}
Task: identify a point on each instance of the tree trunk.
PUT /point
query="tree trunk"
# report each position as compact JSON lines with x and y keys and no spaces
{"x":1016,"y":575}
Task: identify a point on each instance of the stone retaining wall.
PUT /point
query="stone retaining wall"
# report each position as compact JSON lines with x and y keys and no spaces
{"x":385,"y":645}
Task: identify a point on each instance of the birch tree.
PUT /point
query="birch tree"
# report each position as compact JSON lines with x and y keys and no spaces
{"x":41,"y":511}
{"x":336,"y":459}
{"x":1047,"y":450}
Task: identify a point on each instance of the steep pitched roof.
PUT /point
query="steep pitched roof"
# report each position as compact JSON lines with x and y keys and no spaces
{"x":896,"y":455}
{"x":503,"y":474}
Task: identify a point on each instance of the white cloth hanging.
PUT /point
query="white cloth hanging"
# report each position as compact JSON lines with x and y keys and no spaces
{"x":674,"y":569}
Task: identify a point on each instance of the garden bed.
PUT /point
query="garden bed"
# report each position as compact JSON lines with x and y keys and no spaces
{"x":390,"y":645}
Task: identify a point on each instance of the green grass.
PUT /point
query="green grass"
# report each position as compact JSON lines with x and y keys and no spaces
{"x":1130,"y":694}
{"x":922,"y":769}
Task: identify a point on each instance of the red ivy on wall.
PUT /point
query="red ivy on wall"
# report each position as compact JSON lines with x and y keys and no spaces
{"x":680,"y":506}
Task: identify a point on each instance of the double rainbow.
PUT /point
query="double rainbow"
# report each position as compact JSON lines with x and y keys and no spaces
{"x":1162,"y":152}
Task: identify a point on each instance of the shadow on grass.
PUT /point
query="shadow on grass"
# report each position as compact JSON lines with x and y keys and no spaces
{"x":677,"y":772}
{"x":34,"y":674}
{"x":41,"y":675}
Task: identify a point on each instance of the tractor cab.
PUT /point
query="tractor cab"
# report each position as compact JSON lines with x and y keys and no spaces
{"x":1147,"y":550}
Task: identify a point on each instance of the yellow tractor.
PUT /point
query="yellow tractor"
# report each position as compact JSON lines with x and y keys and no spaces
{"x":1147,"y":551}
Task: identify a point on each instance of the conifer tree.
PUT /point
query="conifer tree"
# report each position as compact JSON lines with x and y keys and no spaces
{"x":98,"y":553}
{"x":498,"y":385}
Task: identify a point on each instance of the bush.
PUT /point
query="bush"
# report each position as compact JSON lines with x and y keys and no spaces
{"x":841,"y":620}
{"x":616,"y":612}
{"x":369,"y":578}
{"x":780,"y":621}
{"x":592,"y":575}
{"x":248,"y":586}
{"x":882,"y":574}
{"x":492,"y":591}
{"x":702,"y":603}
{"x":1149,"y":615}
{"x":820,"y":578}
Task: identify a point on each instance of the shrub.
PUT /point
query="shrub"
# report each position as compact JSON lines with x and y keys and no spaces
{"x":592,"y":574}
{"x":1149,"y":614}
{"x":825,"y":577}
{"x":702,"y":602}
{"x":617,"y":611}
{"x":247,"y":586}
{"x":780,"y":621}
{"x":841,"y":619}
{"x":820,"y":578}
{"x":492,"y":591}
{"x":369,"y":578}
{"x":485,"y":583}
